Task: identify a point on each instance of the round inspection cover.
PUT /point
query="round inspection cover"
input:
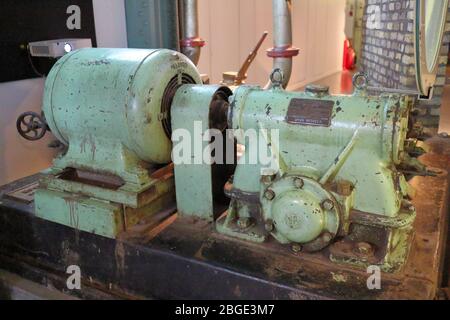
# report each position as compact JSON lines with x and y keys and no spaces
{"x":302,"y":211}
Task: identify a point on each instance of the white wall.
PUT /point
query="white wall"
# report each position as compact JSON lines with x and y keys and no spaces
{"x":19,"y":157}
{"x":232,"y":28}
{"x":110,"y":24}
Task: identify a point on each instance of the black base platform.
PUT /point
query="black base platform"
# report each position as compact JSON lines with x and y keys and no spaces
{"x":185,"y":259}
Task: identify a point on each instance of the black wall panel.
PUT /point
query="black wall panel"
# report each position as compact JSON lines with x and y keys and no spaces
{"x":24,"y":21}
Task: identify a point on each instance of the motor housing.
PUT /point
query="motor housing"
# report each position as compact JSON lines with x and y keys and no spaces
{"x":111,"y":107}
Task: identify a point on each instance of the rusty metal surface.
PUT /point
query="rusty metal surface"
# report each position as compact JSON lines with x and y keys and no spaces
{"x":427,"y":254}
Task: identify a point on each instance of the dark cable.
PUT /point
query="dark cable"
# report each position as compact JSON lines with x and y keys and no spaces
{"x":32,"y":64}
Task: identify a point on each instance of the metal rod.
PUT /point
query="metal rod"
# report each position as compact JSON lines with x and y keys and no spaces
{"x":392,"y":90}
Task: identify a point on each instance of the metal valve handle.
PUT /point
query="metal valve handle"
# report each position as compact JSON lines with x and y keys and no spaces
{"x":242,"y":73}
{"x":31,"y":126}
{"x":238,"y":78}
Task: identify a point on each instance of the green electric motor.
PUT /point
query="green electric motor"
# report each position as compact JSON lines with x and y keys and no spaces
{"x":103,"y":103}
{"x":111,"y":108}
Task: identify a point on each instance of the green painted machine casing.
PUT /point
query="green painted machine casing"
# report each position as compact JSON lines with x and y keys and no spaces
{"x":336,"y":183}
{"x":106,"y":106}
{"x":103,"y":103}
{"x":376,"y":127}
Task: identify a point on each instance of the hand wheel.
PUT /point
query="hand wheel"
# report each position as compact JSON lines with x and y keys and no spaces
{"x":31,"y":126}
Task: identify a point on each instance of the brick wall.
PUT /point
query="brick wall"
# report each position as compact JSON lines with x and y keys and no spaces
{"x":388,"y":52}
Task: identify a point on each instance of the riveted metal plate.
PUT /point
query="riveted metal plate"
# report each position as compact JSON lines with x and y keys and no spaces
{"x":310,"y":112}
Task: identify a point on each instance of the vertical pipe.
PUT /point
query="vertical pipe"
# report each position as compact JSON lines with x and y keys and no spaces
{"x":190,"y":43}
{"x":170,"y":30}
{"x":282,"y":51}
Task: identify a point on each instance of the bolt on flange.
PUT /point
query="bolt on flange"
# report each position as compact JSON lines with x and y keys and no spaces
{"x":269,"y":194}
{"x":344,"y":188}
{"x":299,"y":183}
{"x":364,"y":248}
{"x":296,"y":248}
{"x":244,"y":223}
{"x":327,"y":237}
{"x":269,"y":225}
{"x":267,"y":179}
{"x":327,"y":205}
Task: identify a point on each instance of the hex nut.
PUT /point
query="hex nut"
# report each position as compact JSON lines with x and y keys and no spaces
{"x":267,"y":179}
{"x":364,"y":248}
{"x":244,"y":223}
{"x":327,"y":205}
{"x":299,"y":183}
{"x":269,"y":225}
{"x":327,"y":237}
{"x":269,"y":194}
{"x":344,"y":188}
{"x":296,"y":248}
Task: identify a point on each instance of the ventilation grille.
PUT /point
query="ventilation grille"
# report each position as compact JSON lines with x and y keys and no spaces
{"x":167,"y":99}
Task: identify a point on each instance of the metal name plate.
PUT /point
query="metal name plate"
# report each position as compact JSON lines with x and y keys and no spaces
{"x":310,"y":112}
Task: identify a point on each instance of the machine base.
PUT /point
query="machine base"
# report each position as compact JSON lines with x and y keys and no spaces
{"x":99,"y":207}
{"x":182,"y":258}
